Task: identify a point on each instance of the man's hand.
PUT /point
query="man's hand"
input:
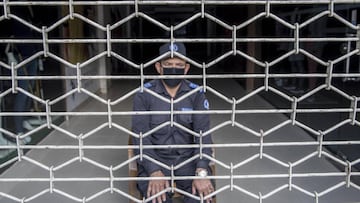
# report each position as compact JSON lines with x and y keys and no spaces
{"x":203,"y":187}
{"x":156,"y":186}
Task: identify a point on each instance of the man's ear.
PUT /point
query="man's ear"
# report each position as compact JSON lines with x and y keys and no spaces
{"x":158,"y":68}
{"x":187,"y":68}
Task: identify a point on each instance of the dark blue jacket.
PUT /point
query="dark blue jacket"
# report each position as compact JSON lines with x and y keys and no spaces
{"x":168,"y":135}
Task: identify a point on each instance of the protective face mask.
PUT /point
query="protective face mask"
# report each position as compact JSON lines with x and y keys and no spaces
{"x":173,"y":71}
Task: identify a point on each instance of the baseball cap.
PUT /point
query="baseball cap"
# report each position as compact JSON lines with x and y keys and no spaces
{"x":176,"y":47}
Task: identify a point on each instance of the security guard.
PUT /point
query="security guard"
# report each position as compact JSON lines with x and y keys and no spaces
{"x":172,"y":135}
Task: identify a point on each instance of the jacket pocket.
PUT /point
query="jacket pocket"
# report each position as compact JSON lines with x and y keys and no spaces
{"x":185,"y":120}
{"x":157,"y":120}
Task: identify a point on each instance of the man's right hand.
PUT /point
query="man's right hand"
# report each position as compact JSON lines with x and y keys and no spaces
{"x":156,"y":186}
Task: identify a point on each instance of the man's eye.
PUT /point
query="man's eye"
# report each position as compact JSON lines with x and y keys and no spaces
{"x":177,"y":65}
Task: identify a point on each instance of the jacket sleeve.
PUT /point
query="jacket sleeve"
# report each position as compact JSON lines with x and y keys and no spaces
{"x":201,"y":122}
{"x":141,"y":124}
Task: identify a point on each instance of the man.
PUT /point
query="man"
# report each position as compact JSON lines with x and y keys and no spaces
{"x":171,"y":135}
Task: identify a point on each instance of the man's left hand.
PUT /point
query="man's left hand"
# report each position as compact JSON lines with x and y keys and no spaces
{"x":203,"y":187}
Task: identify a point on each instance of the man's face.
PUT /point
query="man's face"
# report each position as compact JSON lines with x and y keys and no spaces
{"x":172,"y":66}
{"x":172,"y":63}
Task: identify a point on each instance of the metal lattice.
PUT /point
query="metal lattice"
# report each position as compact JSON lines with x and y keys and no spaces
{"x":329,"y":74}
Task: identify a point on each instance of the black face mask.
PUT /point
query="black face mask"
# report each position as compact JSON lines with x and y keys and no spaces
{"x":173,"y":71}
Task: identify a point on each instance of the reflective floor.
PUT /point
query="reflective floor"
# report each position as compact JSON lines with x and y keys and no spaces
{"x":248,"y":185}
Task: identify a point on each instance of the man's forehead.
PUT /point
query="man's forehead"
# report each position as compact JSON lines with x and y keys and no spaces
{"x":173,"y":60}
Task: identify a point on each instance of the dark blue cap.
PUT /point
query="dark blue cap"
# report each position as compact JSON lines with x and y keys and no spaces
{"x":176,"y":47}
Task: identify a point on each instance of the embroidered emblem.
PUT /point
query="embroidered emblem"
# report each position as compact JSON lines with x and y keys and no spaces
{"x":206,"y":104}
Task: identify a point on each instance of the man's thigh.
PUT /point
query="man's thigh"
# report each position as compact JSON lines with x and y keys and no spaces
{"x":186,"y":185}
{"x":142,"y":185}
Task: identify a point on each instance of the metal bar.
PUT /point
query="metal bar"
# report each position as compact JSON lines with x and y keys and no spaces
{"x":235,"y":41}
{"x":167,"y":2}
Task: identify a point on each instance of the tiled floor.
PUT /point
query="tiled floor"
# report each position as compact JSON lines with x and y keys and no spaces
{"x":106,"y":136}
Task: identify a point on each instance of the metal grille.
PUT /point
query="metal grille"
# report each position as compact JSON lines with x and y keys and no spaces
{"x":347,"y":173}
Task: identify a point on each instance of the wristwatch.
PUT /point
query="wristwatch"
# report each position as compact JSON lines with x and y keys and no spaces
{"x":202,"y":173}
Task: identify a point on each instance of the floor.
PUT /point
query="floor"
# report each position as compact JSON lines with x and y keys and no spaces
{"x":229,"y":134}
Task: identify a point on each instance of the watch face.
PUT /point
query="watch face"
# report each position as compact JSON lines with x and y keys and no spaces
{"x":202,"y":173}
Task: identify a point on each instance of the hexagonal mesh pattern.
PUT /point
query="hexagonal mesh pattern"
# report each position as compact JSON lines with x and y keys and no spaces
{"x":266,"y":75}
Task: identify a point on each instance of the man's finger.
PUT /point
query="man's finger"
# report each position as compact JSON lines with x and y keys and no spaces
{"x":163,"y":195}
{"x":206,"y":192}
{"x":208,"y":200}
{"x":154,"y":191}
{"x":150,"y":194}
{"x":201,"y":196}
{"x":211,"y":189}
{"x":193,"y":190}
{"x":159,"y":199}
{"x":149,"y":190}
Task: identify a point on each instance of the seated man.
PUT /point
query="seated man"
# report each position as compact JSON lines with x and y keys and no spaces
{"x":171,"y":135}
